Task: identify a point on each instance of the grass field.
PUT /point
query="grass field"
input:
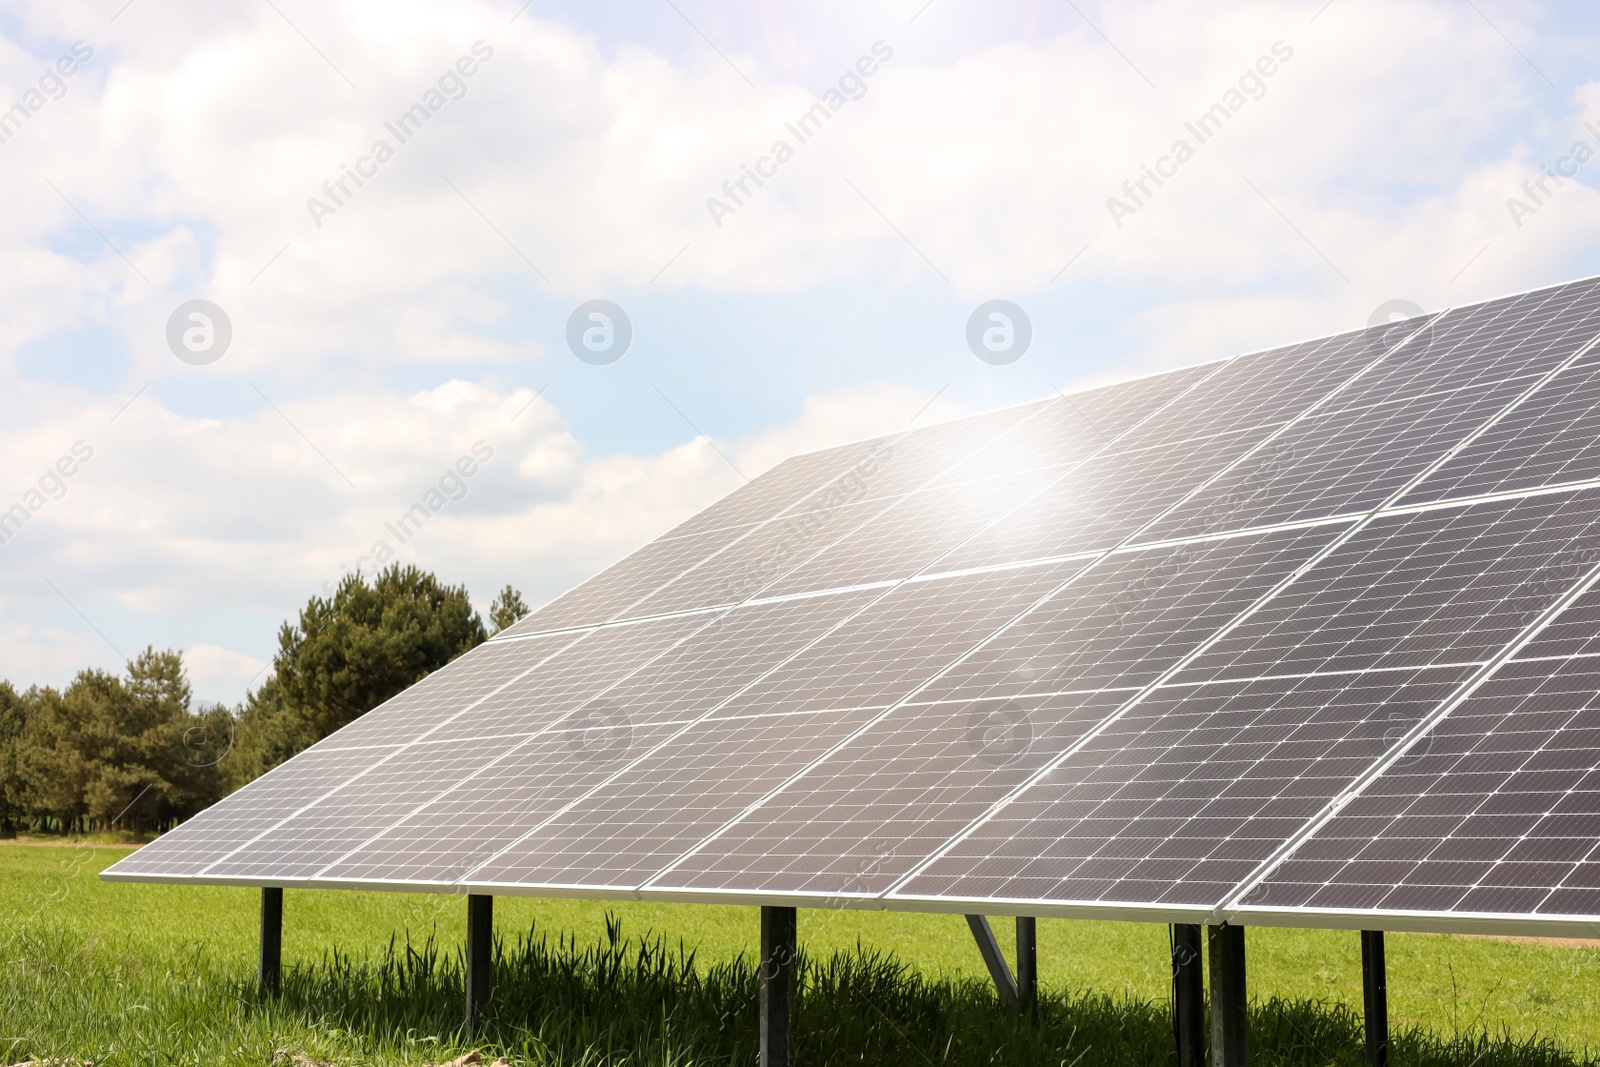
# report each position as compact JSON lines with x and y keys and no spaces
{"x":161,"y":974}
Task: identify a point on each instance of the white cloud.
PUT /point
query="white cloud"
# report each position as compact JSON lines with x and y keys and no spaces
{"x":597,"y":164}
{"x":217,"y":674}
{"x":1389,"y":143}
{"x":176,"y":516}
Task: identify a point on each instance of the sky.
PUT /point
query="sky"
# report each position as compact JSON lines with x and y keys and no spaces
{"x":272,"y":272}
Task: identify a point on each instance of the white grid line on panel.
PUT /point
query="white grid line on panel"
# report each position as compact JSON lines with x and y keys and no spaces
{"x":1287,"y":676}
{"x":1206,"y":645}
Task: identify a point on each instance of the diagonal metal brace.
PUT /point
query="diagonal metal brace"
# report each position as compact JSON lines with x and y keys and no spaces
{"x":1004,"y":983}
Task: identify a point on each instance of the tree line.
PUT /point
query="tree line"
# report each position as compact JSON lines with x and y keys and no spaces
{"x":134,"y":751}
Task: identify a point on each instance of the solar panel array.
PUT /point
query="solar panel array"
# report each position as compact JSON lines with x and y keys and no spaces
{"x":1305,"y":636}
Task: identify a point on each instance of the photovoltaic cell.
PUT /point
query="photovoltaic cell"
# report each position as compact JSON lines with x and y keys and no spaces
{"x":1344,"y":462}
{"x":1576,"y":630}
{"x":1450,"y":585}
{"x":1550,"y":439}
{"x":451,"y":689}
{"x":562,"y":683}
{"x":747,"y":569}
{"x":1112,"y":410}
{"x":910,"y":535}
{"x":792,"y":482}
{"x":1262,"y":389}
{"x":523,"y":783}
{"x":617,"y":588}
{"x":634,"y":826}
{"x":1515,"y":337}
{"x":809,"y":485}
{"x":251,"y":811}
{"x":755,"y":565}
{"x":1185,"y":794}
{"x":1496,"y":810}
{"x":479,"y":816}
{"x":1131,"y":617}
{"x":859,"y":821}
{"x":381,"y":794}
{"x":641,"y":822}
{"x":1390,"y":424}
{"x":881,"y":655}
{"x":1099,"y":503}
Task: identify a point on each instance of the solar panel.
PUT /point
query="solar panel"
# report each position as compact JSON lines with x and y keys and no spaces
{"x":1445,"y":585}
{"x":1496,"y":810}
{"x":1284,"y":636}
{"x":537,"y":777}
{"x":249,"y":812}
{"x":1551,"y":439}
{"x":671,"y":798}
{"x":922,"y":774}
{"x":1180,"y":798}
{"x":817,"y":481}
{"x":1408,"y":411}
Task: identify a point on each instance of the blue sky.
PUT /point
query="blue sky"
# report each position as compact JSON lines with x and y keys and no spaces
{"x":1375,"y":162}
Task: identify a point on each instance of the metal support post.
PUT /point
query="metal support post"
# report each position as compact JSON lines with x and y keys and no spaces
{"x":994,"y":959}
{"x":778,"y":932}
{"x":1028,"y":961}
{"x":1230,"y":1038}
{"x":1375,"y":998}
{"x":269,"y":976}
{"x":480,"y":957}
{"x":1188,"y":995}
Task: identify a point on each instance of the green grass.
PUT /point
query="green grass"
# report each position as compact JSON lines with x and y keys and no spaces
{"x":162,"y":974}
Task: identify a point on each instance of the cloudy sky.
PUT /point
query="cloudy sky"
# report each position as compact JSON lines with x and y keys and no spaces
{"x":383,"y":325}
